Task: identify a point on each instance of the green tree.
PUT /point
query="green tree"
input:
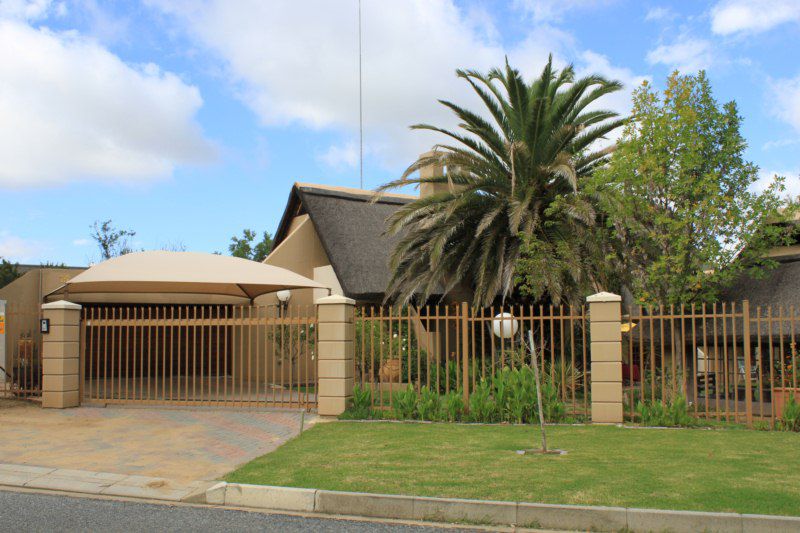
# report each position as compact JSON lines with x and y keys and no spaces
{"x":682,"y":206}
{"x":516,"y":176}
{"x":111,"y":241}
{"x":244,"y":247}
{"x":8,"y":272}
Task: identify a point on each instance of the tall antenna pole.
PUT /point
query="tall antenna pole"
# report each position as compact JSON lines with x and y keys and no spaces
{"x":360,"y":108}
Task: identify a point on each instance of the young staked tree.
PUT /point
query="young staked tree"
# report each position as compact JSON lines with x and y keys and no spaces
{"x":683,"y":207}
{"x":516,"y":177}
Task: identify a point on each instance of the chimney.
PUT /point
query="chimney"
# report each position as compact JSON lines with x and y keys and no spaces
{"x":430,"y":171}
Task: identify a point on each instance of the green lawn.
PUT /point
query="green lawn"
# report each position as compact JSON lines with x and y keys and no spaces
{"x":710,"y":470}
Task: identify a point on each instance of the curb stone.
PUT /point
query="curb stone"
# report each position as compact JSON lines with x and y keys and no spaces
{"x":534,"y":515}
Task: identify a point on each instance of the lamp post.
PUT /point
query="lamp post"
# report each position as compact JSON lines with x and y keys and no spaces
{"x":283,"y":299}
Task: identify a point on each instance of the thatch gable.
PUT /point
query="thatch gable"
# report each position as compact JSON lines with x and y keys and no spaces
{"x":351,"y":229}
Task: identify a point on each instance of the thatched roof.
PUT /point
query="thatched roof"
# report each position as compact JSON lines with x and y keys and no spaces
{"x":779,"y":287}
{"x":776,"y":294}
{"x":351,"y":228}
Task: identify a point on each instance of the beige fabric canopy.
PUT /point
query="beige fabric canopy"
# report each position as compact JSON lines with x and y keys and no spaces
{"x":187,"y":273}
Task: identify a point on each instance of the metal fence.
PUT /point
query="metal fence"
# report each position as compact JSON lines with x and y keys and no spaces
{"x":453,"y":347}
{"x":731,"y":361}
{"x":21,"y":372}
{"x":200,"y":355}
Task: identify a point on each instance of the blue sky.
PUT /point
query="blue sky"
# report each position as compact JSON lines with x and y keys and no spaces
{"x":188,"y":121}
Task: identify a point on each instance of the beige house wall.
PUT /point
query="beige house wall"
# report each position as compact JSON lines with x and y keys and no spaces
{"x":23,"y":297}
{"x":301,"y":251}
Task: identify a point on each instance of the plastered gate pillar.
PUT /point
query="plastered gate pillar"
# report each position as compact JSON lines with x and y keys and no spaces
{"x":61,"y":355}
{"x":335,"y":337}
{"x":605,"y":320}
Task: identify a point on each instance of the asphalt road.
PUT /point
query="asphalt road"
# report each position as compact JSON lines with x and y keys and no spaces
{"x":23,"y":511}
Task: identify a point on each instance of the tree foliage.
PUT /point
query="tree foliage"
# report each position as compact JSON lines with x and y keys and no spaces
{"x":515,"y":180}
{"x":8,"y":272}
{"x":244,"y":247}
{"x":111,"y":241}
{"x":679,"y":199}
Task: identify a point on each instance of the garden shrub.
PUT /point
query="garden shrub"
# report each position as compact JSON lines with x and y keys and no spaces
{"x":482,"y":407}
{"x":673,"y":413}
{"x":405,"y":403}
{"x":508,"y":396}
{"x":453,"y":406}
{"x":429,"y":406}
{"x":790,"y":418}
{"x":360,"y":406}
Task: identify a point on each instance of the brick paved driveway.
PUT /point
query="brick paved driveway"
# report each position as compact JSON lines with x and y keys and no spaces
{"x":180,"y":444}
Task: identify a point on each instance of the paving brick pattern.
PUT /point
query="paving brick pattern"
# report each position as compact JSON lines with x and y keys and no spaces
{"x":180,"y":444}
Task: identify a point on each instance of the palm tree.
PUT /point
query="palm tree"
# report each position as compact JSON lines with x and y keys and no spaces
{"x":515,"y":177}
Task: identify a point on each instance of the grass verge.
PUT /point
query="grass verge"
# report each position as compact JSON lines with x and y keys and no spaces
{"x":702,"y":470}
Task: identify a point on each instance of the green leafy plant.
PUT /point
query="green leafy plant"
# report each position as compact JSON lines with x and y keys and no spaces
{"x":674,"y":413}
{"x":553,"y":408}
{"x":405,"y":403}
{"x":453,"y":406}
{"x":482,"y":407}
{"x":429,"y":406}
{"x":790,"y":418}
{"x":360,"y":405}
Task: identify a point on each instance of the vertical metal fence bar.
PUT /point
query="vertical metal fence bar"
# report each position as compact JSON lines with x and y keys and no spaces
{"x":228,"y":332}
{"x":695,"y":360}
{"x":793,"y":314}
{"x":781,"y":352}
{"x":760,"y":363}
{"x":464,"y":350}
{"x":771,"y":367}
{"x":652,"y":378}
{"x":673,"y":346}
{"x":684,"y":383}
{"x":748,"y":366}
{"x":572,"y":355}
{"x":113,"y":328}
{"x":585,"y":378}
{"x":373,"y":375}
{"x":725,"y":381}
{"x":662,"y":354}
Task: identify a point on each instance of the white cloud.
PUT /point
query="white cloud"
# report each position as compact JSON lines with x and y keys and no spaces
{"x":71,"y":110}
{"x":341,"y":156}
{"x":18,"y":250}
{"x":81,"y":242}
{"x":289,"y":67}
{"x":30,"y":9}
{"x":784,"y":99}
{"x":688,"y":54}
{"x":752,"y":16}
{"x":550,"y":10}
{"x":779,"y":143}
{"x":660,"y":13}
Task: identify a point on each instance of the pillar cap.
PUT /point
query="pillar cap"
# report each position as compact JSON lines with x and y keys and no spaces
{"x":335,"y":299}
{"x":604,"y":297}
{"x":62,"y":304}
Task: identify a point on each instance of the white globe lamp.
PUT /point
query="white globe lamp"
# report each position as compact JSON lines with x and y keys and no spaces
{"x":284,"y":295}
{"x":504,"y":325}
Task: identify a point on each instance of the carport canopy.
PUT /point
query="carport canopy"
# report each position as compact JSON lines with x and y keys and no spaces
{"x":185,"y":273}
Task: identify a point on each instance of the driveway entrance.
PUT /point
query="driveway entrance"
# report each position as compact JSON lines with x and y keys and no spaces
{"x":181,"y":443}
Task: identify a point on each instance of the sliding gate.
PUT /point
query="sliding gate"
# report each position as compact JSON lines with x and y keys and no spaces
{"x":219,"y":355}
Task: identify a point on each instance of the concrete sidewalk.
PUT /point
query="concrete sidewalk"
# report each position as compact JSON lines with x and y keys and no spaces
{"x":101,"y":483}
